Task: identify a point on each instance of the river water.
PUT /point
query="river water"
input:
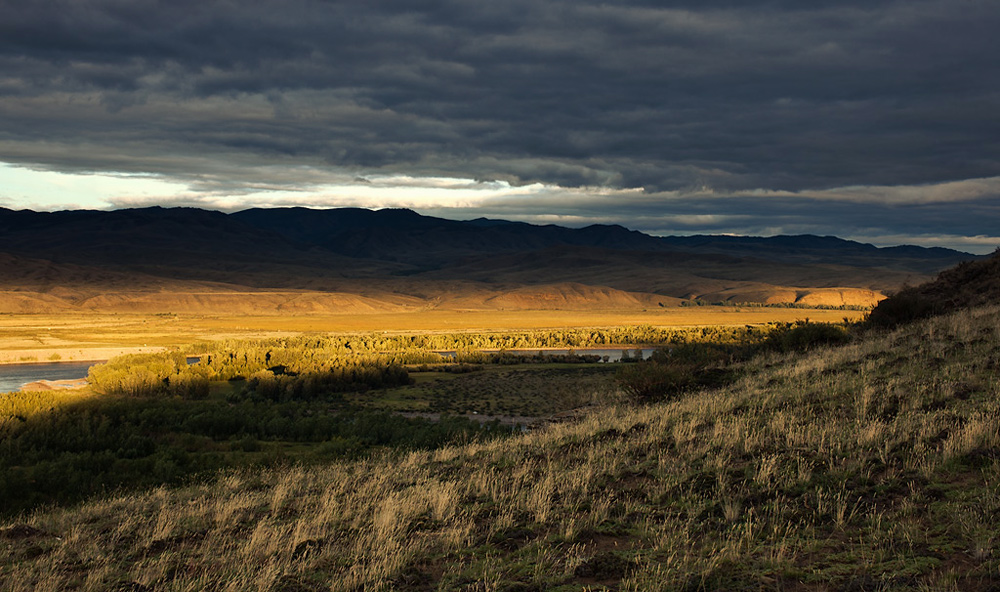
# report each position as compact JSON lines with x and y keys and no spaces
{"x":14,"y":376}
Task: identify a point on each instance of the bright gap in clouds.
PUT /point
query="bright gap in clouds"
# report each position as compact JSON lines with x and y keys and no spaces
{"x":663,"y":213}
{"x":42,"y":190}
{"x":31,"y":189}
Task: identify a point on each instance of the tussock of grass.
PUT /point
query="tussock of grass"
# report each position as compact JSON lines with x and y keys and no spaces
{"x":870,"y":466}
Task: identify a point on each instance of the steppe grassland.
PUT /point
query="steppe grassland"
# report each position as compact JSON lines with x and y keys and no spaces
{"x":83,"y":336}
{"x":872,"y":465}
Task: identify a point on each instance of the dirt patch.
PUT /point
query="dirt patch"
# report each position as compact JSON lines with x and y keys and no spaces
{"x":52,"y":385}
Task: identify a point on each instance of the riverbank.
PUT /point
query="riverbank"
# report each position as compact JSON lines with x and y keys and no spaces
{"x":69,"y":354}
{"x":55,"y":385}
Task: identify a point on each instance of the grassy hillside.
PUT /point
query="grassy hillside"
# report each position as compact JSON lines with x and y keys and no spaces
{"x":871,"y":466}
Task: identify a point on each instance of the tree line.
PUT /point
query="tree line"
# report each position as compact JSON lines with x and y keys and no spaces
{"x":308,"y":366}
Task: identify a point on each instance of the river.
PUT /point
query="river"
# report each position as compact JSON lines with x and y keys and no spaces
{"x":14,"y":376}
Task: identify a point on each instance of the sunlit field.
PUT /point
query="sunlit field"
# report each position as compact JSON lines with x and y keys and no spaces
{"x":82,"y":336}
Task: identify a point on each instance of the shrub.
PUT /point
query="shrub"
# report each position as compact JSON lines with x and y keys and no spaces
{"x":698,"y":353}
{"x":903,"y":307}
{"x":650,"y":381}
{"x":804,"y":336}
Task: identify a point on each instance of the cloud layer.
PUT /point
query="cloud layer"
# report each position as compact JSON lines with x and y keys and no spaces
{"x":724,"y":113}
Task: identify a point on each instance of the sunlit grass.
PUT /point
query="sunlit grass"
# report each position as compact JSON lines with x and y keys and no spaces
{"x":84,"y":336}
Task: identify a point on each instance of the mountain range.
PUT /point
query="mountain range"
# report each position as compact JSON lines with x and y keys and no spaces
{"x":358,"y":260}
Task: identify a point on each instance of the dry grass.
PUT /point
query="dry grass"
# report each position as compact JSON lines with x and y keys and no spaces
{"x":872,"y":466}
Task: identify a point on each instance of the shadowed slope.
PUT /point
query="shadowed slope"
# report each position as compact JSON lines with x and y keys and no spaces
{"x":405,"y":236}
{"x":182,"y":243}
{"x":709,"y":277}
{"x":972,"y":283}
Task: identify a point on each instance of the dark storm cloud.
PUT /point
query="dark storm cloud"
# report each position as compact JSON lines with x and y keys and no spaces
{"x":726,"y":95}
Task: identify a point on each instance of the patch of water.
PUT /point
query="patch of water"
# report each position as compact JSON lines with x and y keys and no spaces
{"x":14,"y":376}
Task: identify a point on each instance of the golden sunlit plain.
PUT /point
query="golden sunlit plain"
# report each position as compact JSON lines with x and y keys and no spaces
{"x":97,"y":336}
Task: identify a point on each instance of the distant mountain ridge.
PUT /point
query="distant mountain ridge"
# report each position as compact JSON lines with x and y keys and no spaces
{"x":363,"y":233}
{"x":395,"y":258}
{"x":404,"y":235}
{"x":377,"y":234}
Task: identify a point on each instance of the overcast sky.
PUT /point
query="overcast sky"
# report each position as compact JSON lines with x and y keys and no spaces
{"x":878,"y":121}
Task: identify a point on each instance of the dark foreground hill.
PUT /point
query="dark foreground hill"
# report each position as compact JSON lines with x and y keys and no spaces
{"x":183,"y":259}
{"x":971,"y":283}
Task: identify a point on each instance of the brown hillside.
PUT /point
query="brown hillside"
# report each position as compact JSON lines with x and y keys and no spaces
{"x":566,"y":279}
{"x":969,"y":284}
{"x":64,"y":280}
{"x":563,"y":277}
{"x":765,"y":294}
{"x":355,"y":260}
{"x":572,"y":296}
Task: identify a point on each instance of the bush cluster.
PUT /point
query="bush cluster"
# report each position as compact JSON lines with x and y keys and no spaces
{"x":672,"y":371}
{"x":306,"y":367}
{"x":969,"y":284}
{"x":101,"y":444}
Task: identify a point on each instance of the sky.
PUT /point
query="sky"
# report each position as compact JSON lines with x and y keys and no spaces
{"x":876,"y":121}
